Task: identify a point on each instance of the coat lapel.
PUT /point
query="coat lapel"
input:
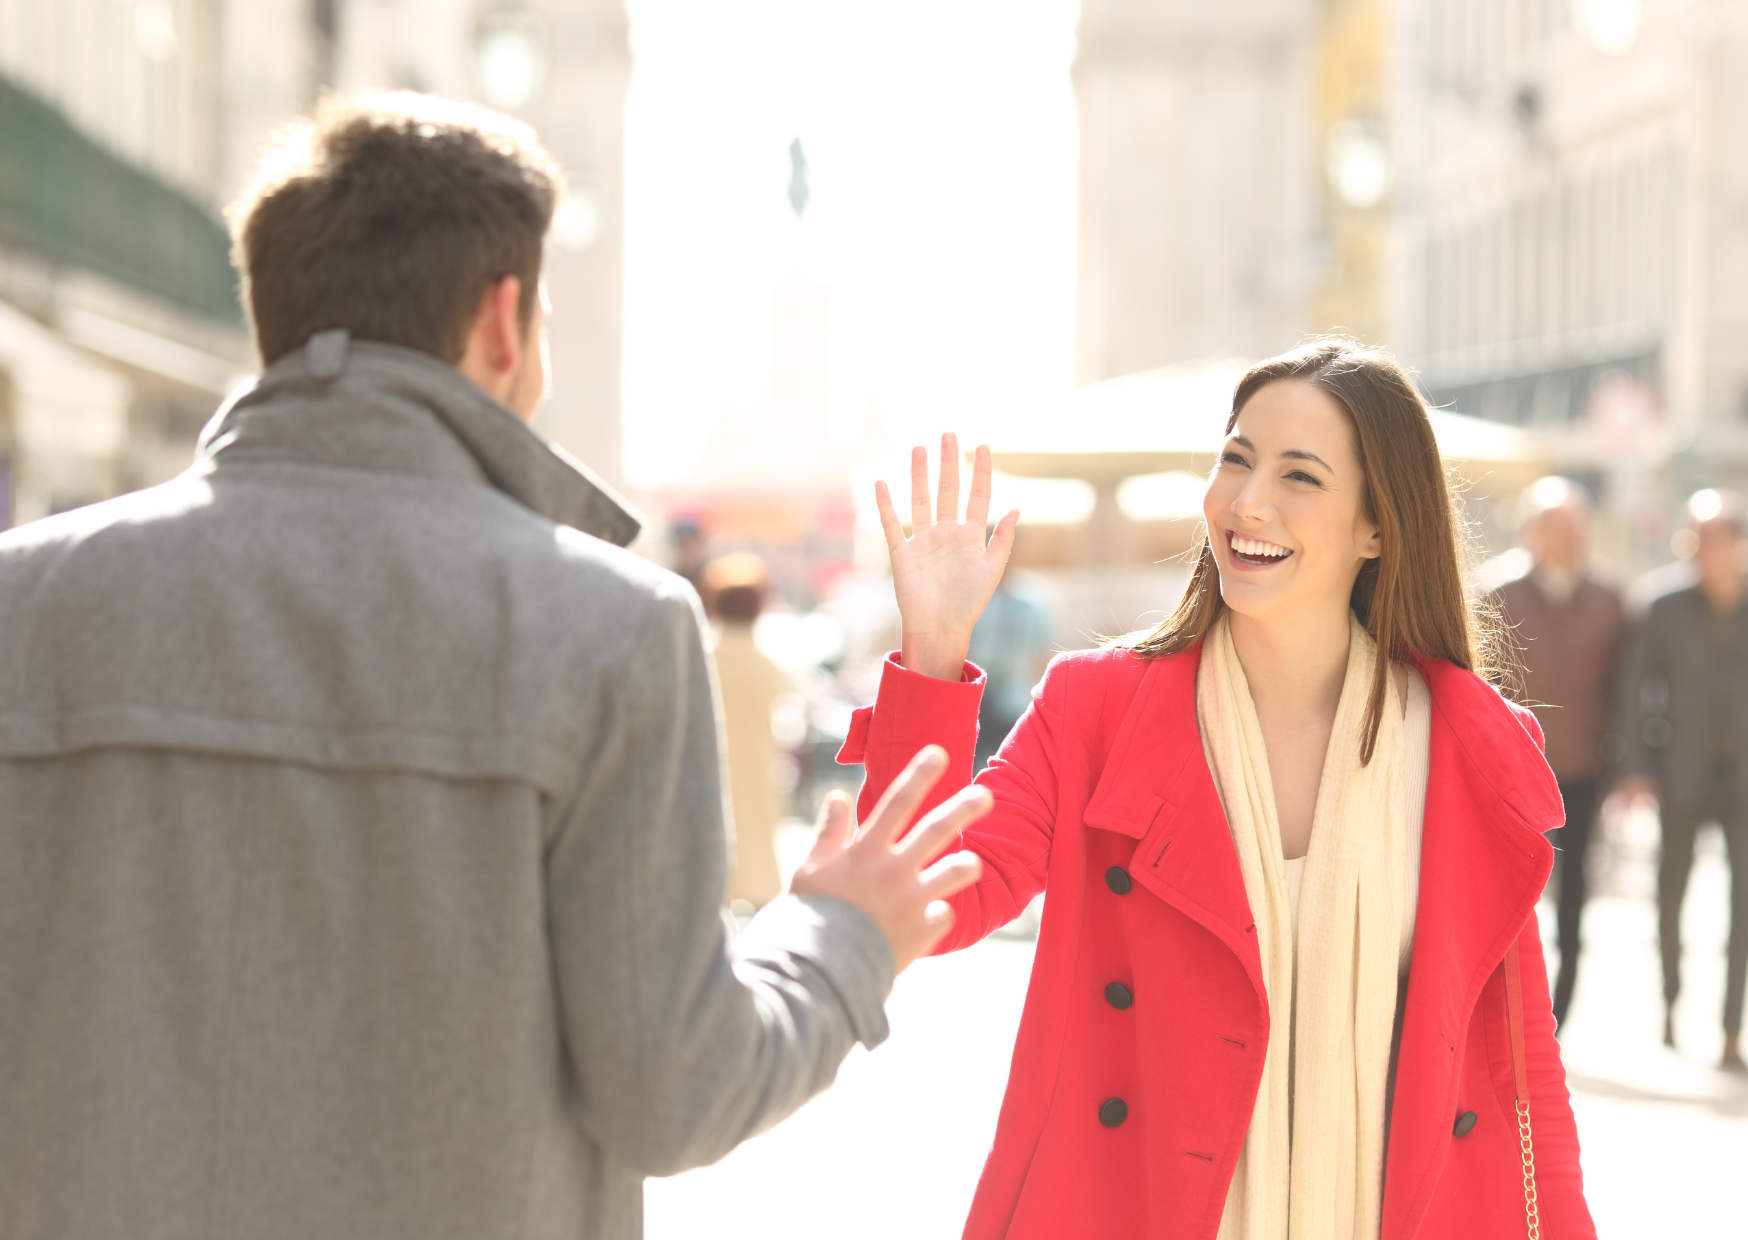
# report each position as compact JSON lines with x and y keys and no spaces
{"x":1483,"y":863}
{"x":1156,"y":788}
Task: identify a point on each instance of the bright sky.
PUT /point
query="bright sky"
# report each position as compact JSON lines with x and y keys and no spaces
{"x":941,"y":135}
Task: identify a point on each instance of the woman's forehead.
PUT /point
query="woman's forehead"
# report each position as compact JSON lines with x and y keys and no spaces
{"x":1295,"y":420}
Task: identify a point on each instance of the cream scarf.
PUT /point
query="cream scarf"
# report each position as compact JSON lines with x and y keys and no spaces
{"x":1312,"y":1163}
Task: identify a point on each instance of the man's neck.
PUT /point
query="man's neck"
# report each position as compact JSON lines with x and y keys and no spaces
{"x":1557,"y":582}
{"x":1722,"y":590}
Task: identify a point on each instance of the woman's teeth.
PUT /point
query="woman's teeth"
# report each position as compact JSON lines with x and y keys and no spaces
{"x":1256,"y":549}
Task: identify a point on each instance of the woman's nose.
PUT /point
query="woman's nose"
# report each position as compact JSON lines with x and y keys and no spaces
{"x":1252,"y":500}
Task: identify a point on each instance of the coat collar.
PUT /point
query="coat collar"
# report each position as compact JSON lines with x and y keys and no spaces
{"x":1490,"y":795}
{"x":379,"y":406}
{"x":1156,"y":787}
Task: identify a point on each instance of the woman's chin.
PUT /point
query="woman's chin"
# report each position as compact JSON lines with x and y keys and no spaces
{"x":1258,"y":601}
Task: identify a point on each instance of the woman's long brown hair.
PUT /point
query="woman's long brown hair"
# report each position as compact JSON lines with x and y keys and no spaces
{"x":1411,"y":597}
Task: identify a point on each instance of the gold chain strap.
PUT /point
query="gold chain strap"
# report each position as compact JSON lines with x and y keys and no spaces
{"x":1529,"y":1171}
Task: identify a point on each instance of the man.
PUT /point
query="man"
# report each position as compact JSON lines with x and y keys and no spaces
{"x":1684,"y":706}
{"x":361,"y":829}
{"x":1570,"y":629}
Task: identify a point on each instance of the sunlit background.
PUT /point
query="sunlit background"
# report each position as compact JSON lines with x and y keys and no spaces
{"x":802,"y":235}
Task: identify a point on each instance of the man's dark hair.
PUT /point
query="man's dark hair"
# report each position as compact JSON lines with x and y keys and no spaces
{"x":390,"y":215}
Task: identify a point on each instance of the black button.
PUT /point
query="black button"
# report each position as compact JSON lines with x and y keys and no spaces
{"x":1465,"y":1123}
{"x":1117,"y":879}
{"x":1118,"y":996}
{"x":1114,"y":1112}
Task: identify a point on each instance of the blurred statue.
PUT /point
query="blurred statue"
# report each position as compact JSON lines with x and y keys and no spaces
{"x":1684,"y":708}
{"x":798,"y":187}
{"x":751,"y":684}
{"x":1570,"y":629}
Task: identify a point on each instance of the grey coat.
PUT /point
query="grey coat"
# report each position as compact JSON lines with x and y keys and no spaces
{"x":1680,"y":690}
{"x":361,"y":845}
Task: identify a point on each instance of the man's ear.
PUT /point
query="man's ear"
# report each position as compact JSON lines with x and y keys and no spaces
{"x":500,"y":306}
{"x":492,"y":353}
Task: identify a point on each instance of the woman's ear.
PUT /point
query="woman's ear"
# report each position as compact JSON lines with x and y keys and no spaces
{"x":1371,"y":542}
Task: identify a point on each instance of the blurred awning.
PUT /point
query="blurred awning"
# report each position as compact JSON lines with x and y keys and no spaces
{"x":1172,"y":419}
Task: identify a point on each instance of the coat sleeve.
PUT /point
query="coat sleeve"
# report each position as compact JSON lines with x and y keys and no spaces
{"x":1559,"y":1179}
{"x":1013,"y":839}
{"x":681,"y":1044}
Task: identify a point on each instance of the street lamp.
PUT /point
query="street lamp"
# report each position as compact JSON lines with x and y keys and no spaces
{"x":509,"y":50}
{"x":1356,"y":159}
{"x":577,"y":221}
{"x":1612,"y":26}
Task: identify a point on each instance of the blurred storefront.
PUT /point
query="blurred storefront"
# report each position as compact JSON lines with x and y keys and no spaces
{"x":119,"y":323}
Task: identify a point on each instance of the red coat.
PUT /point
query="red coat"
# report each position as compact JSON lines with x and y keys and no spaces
{"x":1102,"y":793}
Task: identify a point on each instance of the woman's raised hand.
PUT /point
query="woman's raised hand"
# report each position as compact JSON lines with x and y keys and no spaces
{"x":944,"y":572}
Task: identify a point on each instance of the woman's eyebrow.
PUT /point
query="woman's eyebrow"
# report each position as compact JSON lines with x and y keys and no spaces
{"x":1295,"y":454}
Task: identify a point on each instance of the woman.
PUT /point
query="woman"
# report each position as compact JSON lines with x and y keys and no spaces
{"x":1249,"y":824}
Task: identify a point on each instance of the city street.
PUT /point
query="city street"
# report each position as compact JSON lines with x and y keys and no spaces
{"x":895,"y":1148}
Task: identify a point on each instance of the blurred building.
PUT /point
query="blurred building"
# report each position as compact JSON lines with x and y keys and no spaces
{"x":563,"y":66}
{"x":1197,"y":180}
{"x":1570,"y":248}
{"x":1350,"y":138}
{"x":122,"y":130}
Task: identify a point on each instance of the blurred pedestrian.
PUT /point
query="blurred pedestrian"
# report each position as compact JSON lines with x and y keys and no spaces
{"x":361,"y":840}
{"x":691,"y":551}
{"x":751,"y":684}
{"x":1011,"y":643}
{"x":1684,"y":709}
{"x":1570,"y":629}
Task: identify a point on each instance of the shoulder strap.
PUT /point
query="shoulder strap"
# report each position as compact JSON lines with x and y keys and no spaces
{"x":1514,"y":1022}
{"x":1520,"y":1083}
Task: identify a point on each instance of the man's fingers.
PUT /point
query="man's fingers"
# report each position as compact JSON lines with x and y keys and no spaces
{"x":938,"y":918}
{"x":947,"y":505}
{"x":951,"y":873}
{"x":904,"y":795}
{"x":977,"y":502}
{"x":837,"y":827}
{"x":919,"y":489}
{"x":889,"y":522}
{"x":945,"y":821}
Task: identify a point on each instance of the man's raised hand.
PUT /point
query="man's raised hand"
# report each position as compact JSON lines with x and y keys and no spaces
{"x":889,"y":879}
{"x":945,"y":571}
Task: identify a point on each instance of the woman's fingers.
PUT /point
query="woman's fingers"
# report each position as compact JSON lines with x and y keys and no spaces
{"x":945,"y":821}
{"x":947,"y":505}
{"x":919,"y":490}
{"x":1001,"y":543}
{"x":904,"y":795}
{"x":889,"y":522}
{"x":977,"y":502}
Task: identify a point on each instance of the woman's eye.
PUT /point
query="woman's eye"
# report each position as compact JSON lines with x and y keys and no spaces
{"x":1232,"y":458}
{"x":1299,"y":475}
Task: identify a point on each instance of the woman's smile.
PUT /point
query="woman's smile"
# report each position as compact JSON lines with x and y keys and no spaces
{"x":1248,"y":552}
